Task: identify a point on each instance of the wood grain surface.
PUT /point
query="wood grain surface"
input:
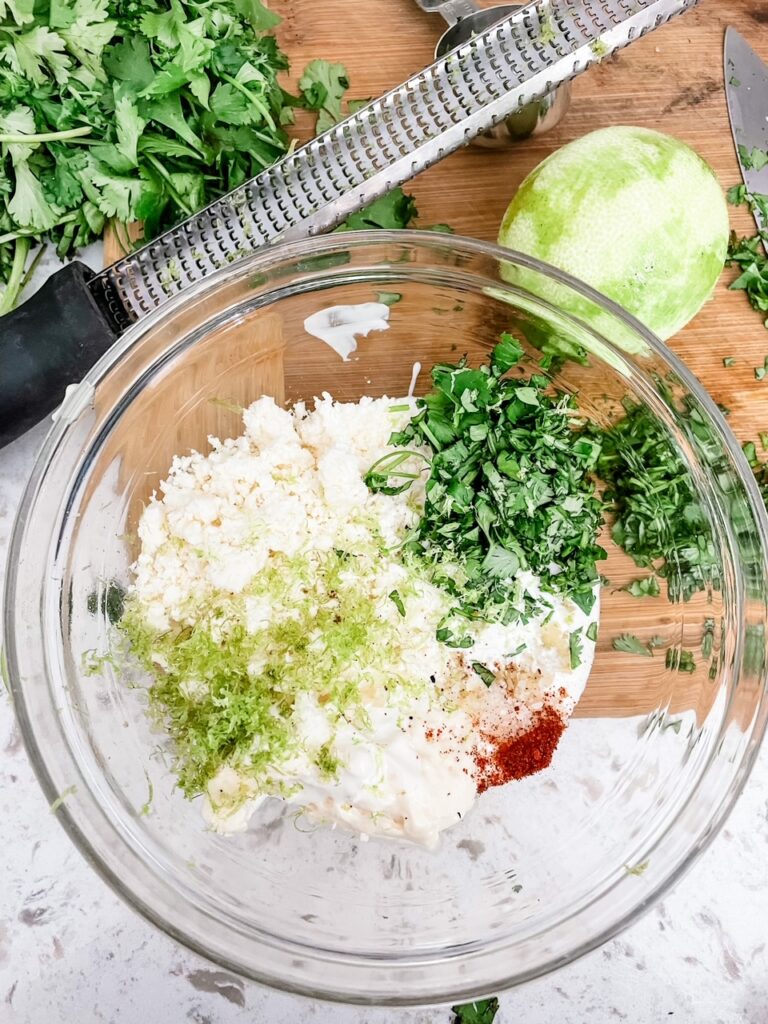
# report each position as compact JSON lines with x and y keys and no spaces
{"x":671,"y":81}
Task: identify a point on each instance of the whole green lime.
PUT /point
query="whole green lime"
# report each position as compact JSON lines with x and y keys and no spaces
{"x":634,"y":213}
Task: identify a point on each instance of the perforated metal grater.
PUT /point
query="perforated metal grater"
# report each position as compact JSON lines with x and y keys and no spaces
{"x":315,"y":188}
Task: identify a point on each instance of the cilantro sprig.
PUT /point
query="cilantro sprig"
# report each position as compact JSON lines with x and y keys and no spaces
{"x":509,"y":488}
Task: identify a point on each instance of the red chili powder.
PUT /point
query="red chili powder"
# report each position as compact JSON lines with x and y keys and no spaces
{"x":522,"y":754}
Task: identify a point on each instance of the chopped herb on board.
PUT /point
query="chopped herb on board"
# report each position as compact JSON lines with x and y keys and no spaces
{"x":728,"y":361}
{"x":646,"y":587}
{"x":322,"y":87}
{"x":658,"y":519}
{"x":630,"y":644}
{"x":680,"y":660}
{"x":481,"y":1012}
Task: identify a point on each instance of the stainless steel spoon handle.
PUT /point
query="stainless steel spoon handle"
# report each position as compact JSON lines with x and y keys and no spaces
{"x":451,"y":10}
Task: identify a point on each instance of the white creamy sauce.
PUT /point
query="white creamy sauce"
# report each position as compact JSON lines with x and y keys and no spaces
{"x":292,"y":488}
{"x":414,"y":378}
{"x":340,"y":326}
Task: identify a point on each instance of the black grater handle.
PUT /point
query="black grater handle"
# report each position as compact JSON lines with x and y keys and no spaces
{"x":50,"y":341}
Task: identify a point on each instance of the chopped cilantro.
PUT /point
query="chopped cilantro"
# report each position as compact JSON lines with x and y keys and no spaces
{"x":750,"y":452}
{"x":575,"y":648}
{"x":680,"y":660}
{"x":484,"y":672}
{"x":754,"y":159}
{"x":510,"y":488}
{"x":764,"y":440}
{"x":109,"y":601}
{"x":326,"y":762}
{"x":729,"y":361}
{"x":630,"y":644}
{"x":646,"y":587}
{"x":481,"y":1012}
{"x":658,"y":519}
{"x":760,"y":372}
{"x":322,"y":86}
{"x":675,"y":724}
{"x":389,"y":298}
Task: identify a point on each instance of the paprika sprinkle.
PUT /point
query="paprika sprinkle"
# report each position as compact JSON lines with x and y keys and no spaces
{"x":521,"y":754}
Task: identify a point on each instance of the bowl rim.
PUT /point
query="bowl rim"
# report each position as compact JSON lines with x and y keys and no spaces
{"x":266,"y":259}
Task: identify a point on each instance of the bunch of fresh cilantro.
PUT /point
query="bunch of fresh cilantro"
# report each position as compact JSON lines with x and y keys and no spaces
{"x":142,"y":110}
{"x":128,"y":110}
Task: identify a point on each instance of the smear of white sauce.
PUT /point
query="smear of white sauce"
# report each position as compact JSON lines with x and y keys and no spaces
{"x":414,"y":378}
{"x":339,"y":326}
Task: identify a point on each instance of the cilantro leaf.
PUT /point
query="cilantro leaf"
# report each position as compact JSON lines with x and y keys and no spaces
{"x":129,"y":61}
{"x":322,"y":86}
{"x":753,"y":159}
{"x":30,"y":52}
{"x":647,"y":587}
{"x":576,"y":648}
{"x":129,"y":128}
{"x":392,"y":211}
{"x":481,"y":1012}
{"x":484,"y":672}
{"x":506,"y":354}
{"x":28,"y":204}
{"x":630,"y":644}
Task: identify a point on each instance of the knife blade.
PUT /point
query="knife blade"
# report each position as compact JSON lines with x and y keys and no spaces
{"x":464,"y":93}
{"x":746,"y":91}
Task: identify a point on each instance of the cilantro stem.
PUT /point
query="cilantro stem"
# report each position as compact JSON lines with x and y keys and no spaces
{"x":13,"y":287}
{"x":70,"y":133}
{"x":31,"y":268}
{"x":164,"y":174}
{"x":10,"y":236}
{"x":252,"y":98}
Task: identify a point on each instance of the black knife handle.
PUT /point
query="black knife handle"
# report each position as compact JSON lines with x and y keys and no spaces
{"x":50,"y":341}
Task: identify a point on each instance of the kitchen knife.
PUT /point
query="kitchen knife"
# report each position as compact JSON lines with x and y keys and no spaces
{"x":746,"y":90}
{"x":55,"y":337}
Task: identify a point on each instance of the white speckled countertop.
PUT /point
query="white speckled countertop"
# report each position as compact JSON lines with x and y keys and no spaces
{"x":70,"y":951}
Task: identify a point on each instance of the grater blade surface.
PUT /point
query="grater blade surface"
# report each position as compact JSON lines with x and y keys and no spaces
{"x":392,"y":139}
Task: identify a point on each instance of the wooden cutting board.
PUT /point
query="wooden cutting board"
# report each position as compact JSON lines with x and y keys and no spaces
{"x":671,"y":81}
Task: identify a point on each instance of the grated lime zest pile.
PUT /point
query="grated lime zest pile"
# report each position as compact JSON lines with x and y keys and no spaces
{"x":219,"y":710}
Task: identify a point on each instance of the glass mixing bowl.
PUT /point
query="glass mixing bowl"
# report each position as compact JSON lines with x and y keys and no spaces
{"x":541,"y":870}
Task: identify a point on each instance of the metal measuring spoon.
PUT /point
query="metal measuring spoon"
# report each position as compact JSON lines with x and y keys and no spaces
{"x":465,"y":19}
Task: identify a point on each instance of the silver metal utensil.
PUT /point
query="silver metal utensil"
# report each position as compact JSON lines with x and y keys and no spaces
{"x":746,"y":90}
{"x":465,"y":20}
{"x":54,"y":338}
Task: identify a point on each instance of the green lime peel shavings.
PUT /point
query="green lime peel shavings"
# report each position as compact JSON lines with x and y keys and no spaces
{"x":219,"y":709}
{"x":509,"y":488}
